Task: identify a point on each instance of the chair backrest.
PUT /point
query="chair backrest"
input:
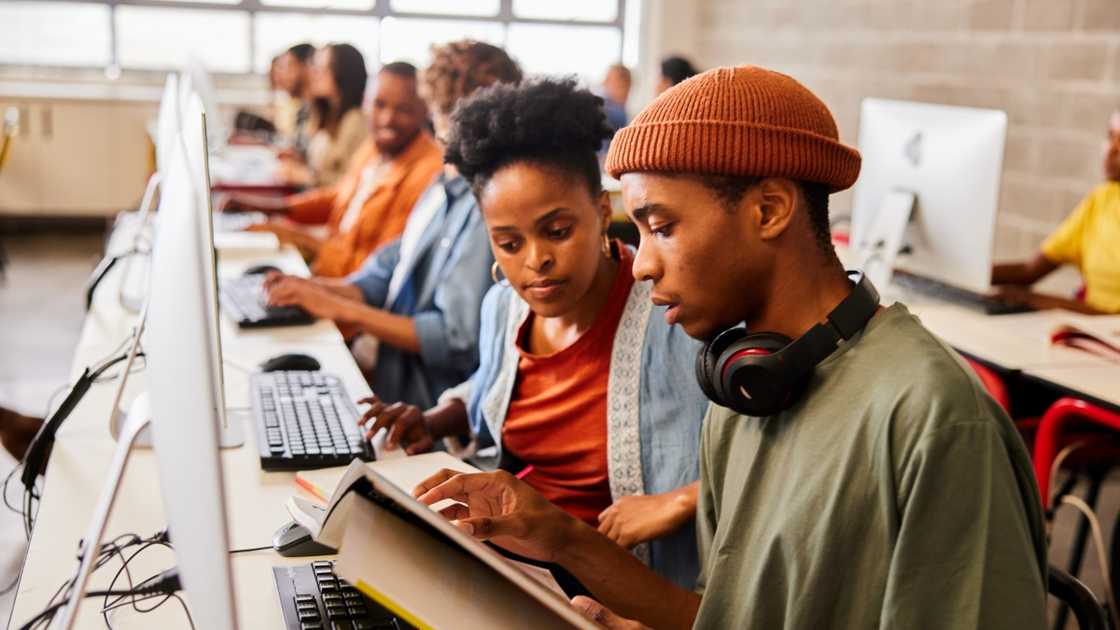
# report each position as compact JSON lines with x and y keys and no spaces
{"x":1063,"y":416}
{"x":1089,"y":612}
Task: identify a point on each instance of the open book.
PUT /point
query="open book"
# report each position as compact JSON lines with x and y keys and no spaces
{"x":413,"y":561}
{"x":327,"y":520}
{"x":1096,"y":335}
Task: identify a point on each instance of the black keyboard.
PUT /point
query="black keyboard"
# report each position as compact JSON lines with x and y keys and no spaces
{"x":314,"y":598}
{"x":243,"y":299}
{"x":305,"y":420}
{"x":987,"y":304}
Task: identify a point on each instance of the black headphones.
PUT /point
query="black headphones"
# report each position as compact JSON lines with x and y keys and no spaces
{"x":764,"y":373}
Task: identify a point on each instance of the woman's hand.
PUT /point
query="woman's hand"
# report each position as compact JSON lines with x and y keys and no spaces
{"x":405,"y":424}
{"x":285,"y":290}
{"x":499,"y":507}
{"x":641,"y":518}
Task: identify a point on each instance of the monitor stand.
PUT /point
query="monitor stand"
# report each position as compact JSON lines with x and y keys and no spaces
{"x":231,"y":434}
{"x":878,"y":248}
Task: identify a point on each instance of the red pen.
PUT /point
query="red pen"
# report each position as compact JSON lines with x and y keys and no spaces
{"x":524,"y":472}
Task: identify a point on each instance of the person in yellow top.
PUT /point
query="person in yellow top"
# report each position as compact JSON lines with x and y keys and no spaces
{"x":1088,"y":238}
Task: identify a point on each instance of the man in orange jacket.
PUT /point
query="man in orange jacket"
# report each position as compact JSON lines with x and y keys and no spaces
{"x":338,"y":226}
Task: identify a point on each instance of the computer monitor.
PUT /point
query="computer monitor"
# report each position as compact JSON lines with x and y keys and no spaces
{"x":167,"y":121}
{"x":183,"y":400}
{"x":195,"y":147}
{"x":204,"y":87}
{"x":950,"y":160}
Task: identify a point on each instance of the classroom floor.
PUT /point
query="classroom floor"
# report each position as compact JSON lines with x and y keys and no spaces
{"x":41,"y":312}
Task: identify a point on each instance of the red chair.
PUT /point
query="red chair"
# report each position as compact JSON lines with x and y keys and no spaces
{"x":1071,"y":421}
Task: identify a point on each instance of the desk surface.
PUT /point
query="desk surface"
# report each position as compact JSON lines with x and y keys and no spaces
{"x":81,"y":458}
{"x":1018,"y":342}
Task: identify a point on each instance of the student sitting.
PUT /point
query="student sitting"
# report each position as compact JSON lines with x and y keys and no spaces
{"x":420,"y":295}
{"x":1089,"y":238}
{"x":368,"y":207}
{"x":577,"y":381}
{"x":292,"y":108}
{"x":857,"y":477}
{"x":336,"y":85}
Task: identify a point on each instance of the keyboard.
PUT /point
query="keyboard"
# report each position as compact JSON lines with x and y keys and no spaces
{"x":314,"y":598}
{"x":243,"y":299}
{"x":987,"y":304}
{"x":305,"y":420}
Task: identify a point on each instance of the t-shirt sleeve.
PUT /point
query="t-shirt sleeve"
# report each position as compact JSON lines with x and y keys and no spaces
{"x":1064,"y":246}
{"x":967,"y":554}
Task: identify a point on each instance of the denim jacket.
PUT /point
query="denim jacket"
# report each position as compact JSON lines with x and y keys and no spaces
{"x":654,"y":409}
{"x":447,"y":276}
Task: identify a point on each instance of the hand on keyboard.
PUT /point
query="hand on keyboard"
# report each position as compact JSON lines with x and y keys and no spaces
{"x":405,"y":425}
{"x":294,"y":291}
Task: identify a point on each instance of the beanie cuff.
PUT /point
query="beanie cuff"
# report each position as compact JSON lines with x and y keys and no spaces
{"x":712,"y":147}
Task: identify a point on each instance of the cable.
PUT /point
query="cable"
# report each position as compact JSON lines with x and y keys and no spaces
{"x":247,"y":550}
{"x":160,"y":585}
{"x":1098,"y":542}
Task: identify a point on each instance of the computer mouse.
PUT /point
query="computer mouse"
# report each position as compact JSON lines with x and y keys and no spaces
{"x":294,"y":541}
{"x":257,"y":270}
{"x":286,"y":362}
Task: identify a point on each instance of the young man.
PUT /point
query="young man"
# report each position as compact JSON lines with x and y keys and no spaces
{"x":1088,"y":238}
{"x":892,"y":492}
{"x":369,"y":206}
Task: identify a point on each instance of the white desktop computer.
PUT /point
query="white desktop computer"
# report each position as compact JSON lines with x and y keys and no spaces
{"x":182,"y":409}
{"x":928,"y":192}
{"x":184,"y":398}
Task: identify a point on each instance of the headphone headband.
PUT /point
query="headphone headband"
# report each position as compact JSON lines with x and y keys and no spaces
{"x":845,"y":321}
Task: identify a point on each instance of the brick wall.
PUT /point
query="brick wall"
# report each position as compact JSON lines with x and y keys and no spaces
{"x":1052,"y":65}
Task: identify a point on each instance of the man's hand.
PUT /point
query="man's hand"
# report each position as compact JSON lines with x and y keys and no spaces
{"x":405,"y":425}
{"x":285,"y":290}
{"x":636,"y":519}
{"x":604,"y":616}
{"x":499,"y":507}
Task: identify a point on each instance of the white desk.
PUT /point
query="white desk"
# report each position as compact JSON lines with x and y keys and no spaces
{"x":1017,"y":343}
{"x":84,"y":448}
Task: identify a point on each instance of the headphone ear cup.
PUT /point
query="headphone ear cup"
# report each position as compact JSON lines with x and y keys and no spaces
{"x":707,"y":360}
{"x":745,"y":379}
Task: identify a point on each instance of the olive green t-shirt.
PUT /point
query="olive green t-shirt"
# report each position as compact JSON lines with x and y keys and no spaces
{"x":894,"y":494}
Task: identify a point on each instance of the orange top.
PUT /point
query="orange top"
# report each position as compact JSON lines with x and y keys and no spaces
{"x":383,"y":214}
{"x":557,"y":418}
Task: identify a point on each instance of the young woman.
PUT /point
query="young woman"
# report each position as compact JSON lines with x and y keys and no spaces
{"x":336,"y":85}
{"x":580,"y":387}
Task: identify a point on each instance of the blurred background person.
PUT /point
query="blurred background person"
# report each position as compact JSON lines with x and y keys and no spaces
{"x":674,"y":69}
{"x":336,"y":87}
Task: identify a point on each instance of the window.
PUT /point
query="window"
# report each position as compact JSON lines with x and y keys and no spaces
{"x":58,"y":34}
{"x":576,"y":10}
{"x":448,"y":7}
{"x":157,"y":37}
{"x":588,"y":50}
{"x":408,"y":39}
{"x":276,"y":32}
{"x":242,"y":36}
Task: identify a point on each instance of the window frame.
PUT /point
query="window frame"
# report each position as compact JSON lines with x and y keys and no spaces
{"x":381,"y":9}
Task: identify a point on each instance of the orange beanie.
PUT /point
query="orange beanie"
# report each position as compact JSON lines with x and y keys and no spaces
{"x":741,"y":120}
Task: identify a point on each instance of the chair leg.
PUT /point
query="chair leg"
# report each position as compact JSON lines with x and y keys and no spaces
{"x":1077,"y":550}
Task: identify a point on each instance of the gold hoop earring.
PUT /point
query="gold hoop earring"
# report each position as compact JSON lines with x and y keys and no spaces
{"x":494,"y":274}
{"x":606,"y":245}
